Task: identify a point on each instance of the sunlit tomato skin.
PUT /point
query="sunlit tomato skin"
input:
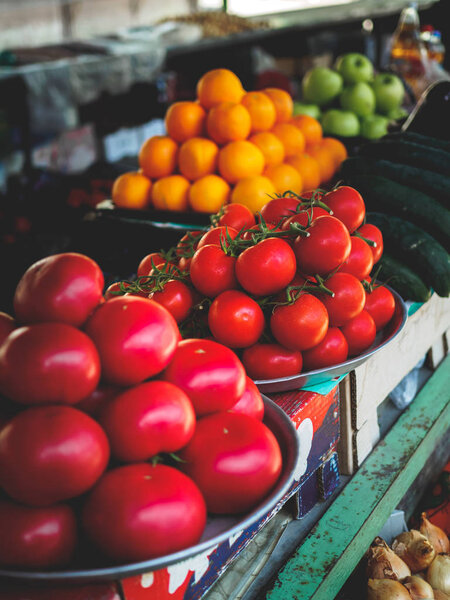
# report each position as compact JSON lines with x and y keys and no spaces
{"x":36,"y":537}
{"x":348,"y":299}
{"x":300,"y":325}
{"x":279,"y":208}
{"x":209,"y":373}
{"x":242,"y":464}
{"x":63,"y":287}
{"x":380,"y":304}
{"x":347,"y":205}
{"x":332,"y":350}
{"x":326,"y":248}
{"x":359,"y":332}
{"x":51,"y":363}
{"x":235,"y":319}
{"x":149,"y":262}
{"x":212,"y":271}
{"x":251,"y":402}
{"x":271,"y":361}
{"x":142,"y":511}
{"x":218,"y":236}
{"x":237,"y":216}
{"x":7,"y":324}
{"x":267,"y":267}
{"x":136,"y":339}
{"x":304,"y":217}
{"x":147,"y":419}
{"x":360,"y":260}
{"x":51,"y":453}
{"x":371,"y":232}
{"x":177,"y":298}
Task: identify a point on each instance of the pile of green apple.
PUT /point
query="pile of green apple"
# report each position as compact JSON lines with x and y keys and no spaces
{"x":350,"y":99}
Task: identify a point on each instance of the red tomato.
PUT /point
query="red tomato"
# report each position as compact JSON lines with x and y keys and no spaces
{"x":237,"y":216}
{"x":177,"y":297}
{"x":116,"y":289}
{"x":63,"y":287}
{"x":36,"y":537}
{"x":347,"y":205}
{"x":332,"y":350}
{"x":380,"y":304}
{"x":148,"y":262}
{"x":251,"y":402}
{"x":248,"y":234}
{"x":271,"y":361}
{"x":302,"y":217}
{"x":300,"y":325}
{"x":348,"y":299}
{"x":359,"y":332}
{"x":211,"y":375}
{"x":370,"y":232}
{"x":188,"y":244}
{"x":212,"y":271}
{"x":184,"y":264}
{"x":138,"y":512}
{"x":136,"y":338}
{"x":218,"y":236}
{"x":148,"y":419}
{"x":240,"y":466}
{"x":100,"y":397}
{"x":48,"y":363}
{"x":51,"y":453}
{"x":277,"y":209}
{"x":360,"y":260}
{"x":7,"y":324}
{"x":235,"y":319}
{"x":267,"y":267}
{"x":327,"y":246}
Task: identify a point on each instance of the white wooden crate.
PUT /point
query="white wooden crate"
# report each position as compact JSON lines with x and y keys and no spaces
{"x":427,"y":331}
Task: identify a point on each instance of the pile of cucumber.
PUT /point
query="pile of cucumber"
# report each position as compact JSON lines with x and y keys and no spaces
{"x":404,"y":179}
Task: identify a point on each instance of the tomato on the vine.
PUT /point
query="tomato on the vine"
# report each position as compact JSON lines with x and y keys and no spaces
{"x":248,"y":234}
{"x":332,"y":350}
{"x":347,"y":205}
{"x":177,"y":297}
{"x":251,"y":402}
{"x":212,"y":271}
{"x":235,"y":319}
{"x":348,"y":299}
{"x":304,"y":217}
{"x":360,"y":260}
{"x":380,"y":304}
{"x":218,"y":236}
{"x":237,"y":216}
{"x":271,"y":361}
{"x":278,"y":208}
{"x":372,"y":233}
{"x":360,"y":333}
{"x":149,"y":262}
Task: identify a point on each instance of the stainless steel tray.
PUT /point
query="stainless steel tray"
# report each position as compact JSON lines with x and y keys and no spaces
{"x":384,"y":337}
{"x":217,"y":530}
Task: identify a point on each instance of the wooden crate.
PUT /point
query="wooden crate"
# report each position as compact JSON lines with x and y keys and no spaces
{"x":426,"y":332}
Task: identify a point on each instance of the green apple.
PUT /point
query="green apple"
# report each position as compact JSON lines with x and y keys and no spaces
{"x":359,"y":98}
{"x":307,"y":109}
{"x":321,"y":85}
{"x":389,"y":92}
{"x":397,"y":113}
{"x":354,"y":67}
{"x":374,"y":126}
{"x":343,"y":123}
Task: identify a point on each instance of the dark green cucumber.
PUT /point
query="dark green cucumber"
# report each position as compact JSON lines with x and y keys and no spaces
{"x":386,"y":196}
{"x":419,"y":138}
{"x":402,"y":279}
{"x":409,"y":153}
{"x":417,"y":249}
{"x":433,"y":184}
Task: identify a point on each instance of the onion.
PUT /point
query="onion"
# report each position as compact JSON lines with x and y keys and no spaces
{"x":436,"y":536}
{"x":414,"y":549}
{"x":386,"y":589}
{"x":418,"y":588}
{"x":383,"y":563}
{"x":438,"y":574}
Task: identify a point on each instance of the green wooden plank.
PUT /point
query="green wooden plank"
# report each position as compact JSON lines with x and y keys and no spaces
{"x":322,"y":564}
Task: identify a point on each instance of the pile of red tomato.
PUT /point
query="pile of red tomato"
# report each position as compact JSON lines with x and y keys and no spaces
{"x":290,"y":291}
{"x":96,"y":397}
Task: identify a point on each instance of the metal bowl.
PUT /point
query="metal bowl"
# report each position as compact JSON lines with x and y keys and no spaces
{"x":218,"y":528}
{"x":327,"y":374}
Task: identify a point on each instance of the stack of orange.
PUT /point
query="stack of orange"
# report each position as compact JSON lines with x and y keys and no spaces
{"x":229,"y":145}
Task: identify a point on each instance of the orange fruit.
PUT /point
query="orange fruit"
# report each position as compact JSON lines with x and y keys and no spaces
{"x":197,"y":157}
{"x":253,"y":192}
{"x":270,"y":146}
{"x":132,"y":190}
{"x":228,"y":122}
{"x":262,"y":111}
{"x":308,"y":167}
{"x":217,"y":86}
{"x":337,"y":149}
{"x":158,"y":156}
{"x":285,"y":178}
{"x":284,"y":105}
{"x":209,"y":194}
{"x":171,"y":193}
{"x":240,"y":159}
{"x":310,"y":127}
{"x":326,"y":160}
{"x":185,"y":120}
{"x":291,"y":137}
